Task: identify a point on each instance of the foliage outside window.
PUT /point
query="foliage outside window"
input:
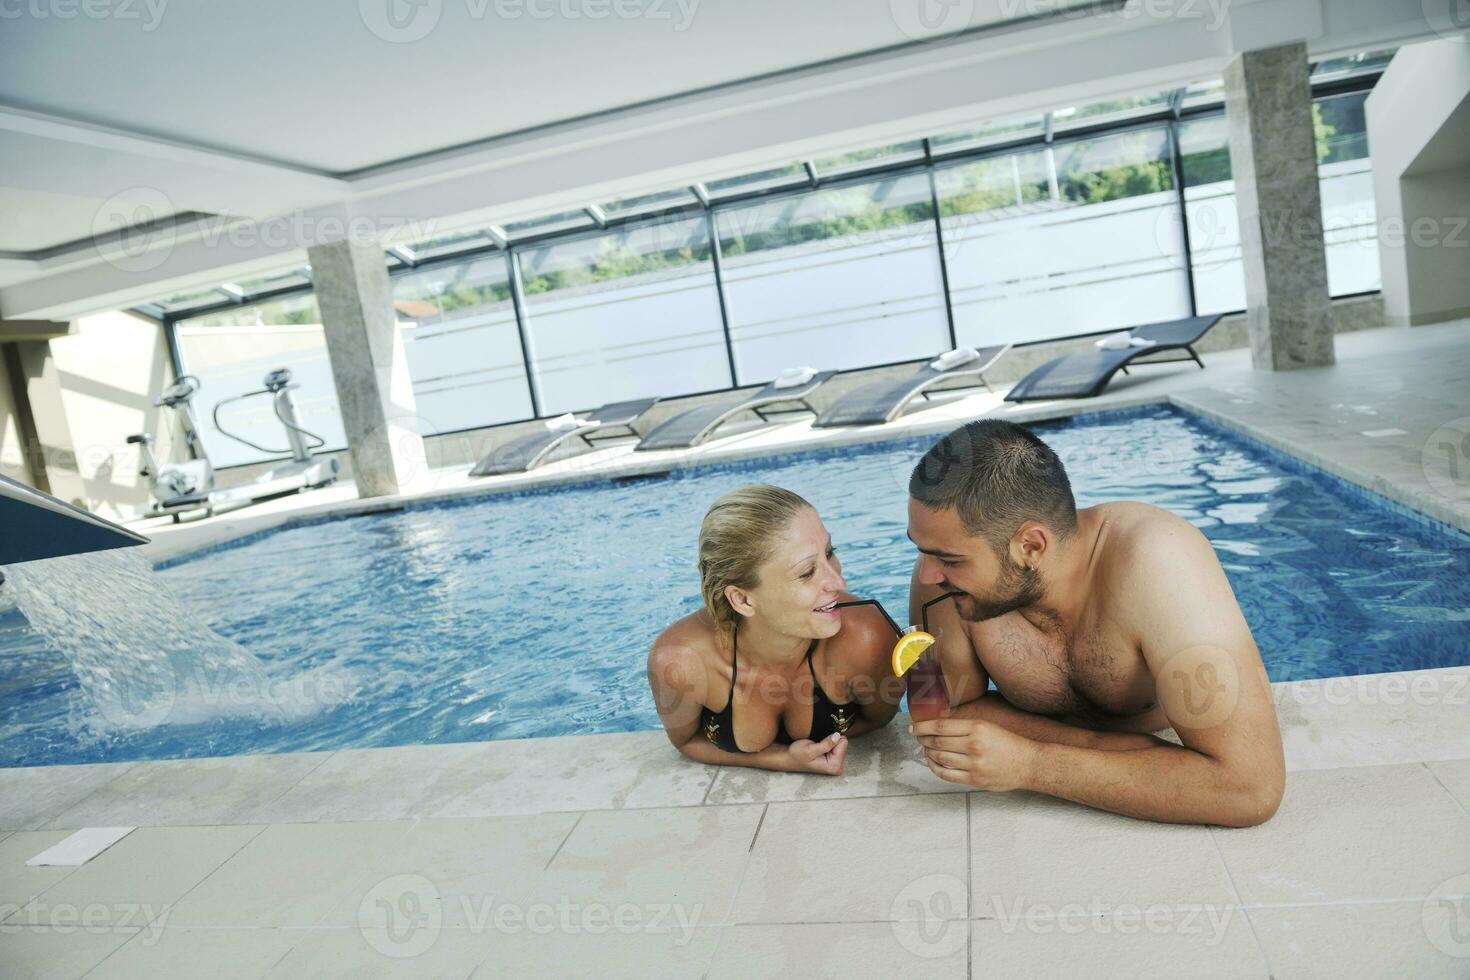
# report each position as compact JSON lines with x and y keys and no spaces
{"x":655,"y":246}
{"x":830,"y":213}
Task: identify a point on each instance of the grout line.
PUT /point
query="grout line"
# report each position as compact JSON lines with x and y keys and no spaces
{"x":744,"y":868}
{"x":969,"y":896}
{"x":711,"y":787}
{"x":278,"y":960}
{"x":1435,"y":776}
{"x":58,"y":814}
{"x":326,"y":757}
{"x":764,"y":810}
{"x":1230,"y":878}
{"x":111,"y":952}
{"x":174,"y":904}
{"x":575,"y":824}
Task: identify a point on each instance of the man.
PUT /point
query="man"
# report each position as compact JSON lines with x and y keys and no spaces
{"x":1098,"y":626}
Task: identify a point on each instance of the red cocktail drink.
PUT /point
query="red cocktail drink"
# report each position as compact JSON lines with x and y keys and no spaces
{"x":928,"y":693}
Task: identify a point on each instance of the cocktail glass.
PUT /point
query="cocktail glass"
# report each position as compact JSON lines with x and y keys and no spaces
{"x":927,"y":690}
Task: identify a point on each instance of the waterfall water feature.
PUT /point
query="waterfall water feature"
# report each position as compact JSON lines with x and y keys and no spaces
{"x":142,"y":658}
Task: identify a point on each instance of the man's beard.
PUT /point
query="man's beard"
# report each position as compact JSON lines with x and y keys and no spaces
{"x":1019,"y":586}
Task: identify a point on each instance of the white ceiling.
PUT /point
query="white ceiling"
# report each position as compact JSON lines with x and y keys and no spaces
{"x":311,"y":85}
{"x":271,"y":109}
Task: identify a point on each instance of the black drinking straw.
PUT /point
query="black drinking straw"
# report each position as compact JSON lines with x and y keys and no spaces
{"x":924,"y":610}
{"x":872,"y":602}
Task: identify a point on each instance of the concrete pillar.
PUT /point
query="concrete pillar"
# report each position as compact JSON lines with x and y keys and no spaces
{"x":1418,"y":117}
{"x":36,"y":388}
{"x":1273,"y":157}
{"x":369,"y":366}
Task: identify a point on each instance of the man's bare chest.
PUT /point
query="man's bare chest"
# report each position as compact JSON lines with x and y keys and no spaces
{"x":1097,"y":672}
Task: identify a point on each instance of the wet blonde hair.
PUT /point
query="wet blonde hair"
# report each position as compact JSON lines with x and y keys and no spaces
{"x":736,"y":536}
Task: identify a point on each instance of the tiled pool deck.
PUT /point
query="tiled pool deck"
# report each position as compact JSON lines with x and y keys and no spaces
{"x":610,"y":855}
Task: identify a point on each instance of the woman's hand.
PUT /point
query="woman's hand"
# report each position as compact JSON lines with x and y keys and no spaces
{"x":825,"y":757}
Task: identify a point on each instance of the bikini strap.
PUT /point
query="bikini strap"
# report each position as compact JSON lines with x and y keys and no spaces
{"x":734,"y":662}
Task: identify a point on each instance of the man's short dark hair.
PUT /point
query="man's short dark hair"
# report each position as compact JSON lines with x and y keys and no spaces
{"x":996,"y":475}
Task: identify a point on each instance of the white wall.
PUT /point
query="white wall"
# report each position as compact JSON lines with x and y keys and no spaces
{"x":1419,"y":137}
{"x":108,"y":371}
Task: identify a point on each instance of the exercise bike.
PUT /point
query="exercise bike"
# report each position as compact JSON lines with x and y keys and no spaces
{"x":179,"y":488}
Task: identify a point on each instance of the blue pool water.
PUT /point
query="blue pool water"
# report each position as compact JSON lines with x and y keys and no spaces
{"x":531,"y":614}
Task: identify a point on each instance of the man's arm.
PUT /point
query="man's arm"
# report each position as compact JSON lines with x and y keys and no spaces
{"x":968,"y":681}
{"x":1212,"y":687}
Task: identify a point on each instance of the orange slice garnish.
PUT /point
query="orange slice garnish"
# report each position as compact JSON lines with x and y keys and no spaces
{"x":909,"y":648}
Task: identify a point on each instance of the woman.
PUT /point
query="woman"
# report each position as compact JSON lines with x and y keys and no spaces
{"x":774,"y":672}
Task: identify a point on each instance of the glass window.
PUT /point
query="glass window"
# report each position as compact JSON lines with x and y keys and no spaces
{"x":1209,"y":206}
{"x":1075,"y":238}
{"x":628,"y":314}
{"x":1000,"y":131}
{"x":760,"y":180}
{"x":192,"y":300}
{"x":1203,"y":93}
{"x":835,"y":278}
{"x":1110,"y":168}
{"x":232,"y":351}
{"x":458,"y":324}
{"x":649,"y":202}
{"x":548,"y":224}
{"x":448,"y":245}
{"x":1345,"y":178}
{"x":1345,"y":182}
{"x":871,"y":157}
{"x":265,"y":284}
{"x":1362,"y":63}
{"x":1204,"y":150}
{"x":1120,"y":108}
{"x":1341,"y":127}
{"x":994,"y":182}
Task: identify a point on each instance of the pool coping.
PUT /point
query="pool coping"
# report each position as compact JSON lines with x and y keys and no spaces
{"x":1415,"y":717}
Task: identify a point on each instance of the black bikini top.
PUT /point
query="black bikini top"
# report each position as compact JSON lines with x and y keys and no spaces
{"x":828,"y":716}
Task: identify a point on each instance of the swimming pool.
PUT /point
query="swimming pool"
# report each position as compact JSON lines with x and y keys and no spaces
{"x":531,"y":614}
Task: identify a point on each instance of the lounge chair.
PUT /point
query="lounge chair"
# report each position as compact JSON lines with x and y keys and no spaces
{"x":1086,"y":373}
{"x":882,"y":401}
{"x":530,"y":451}
{"x":694,"y":426}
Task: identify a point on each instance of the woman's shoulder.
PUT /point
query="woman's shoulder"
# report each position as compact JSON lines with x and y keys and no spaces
{"x":866,"y":636}
{"x":690,"y":636}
